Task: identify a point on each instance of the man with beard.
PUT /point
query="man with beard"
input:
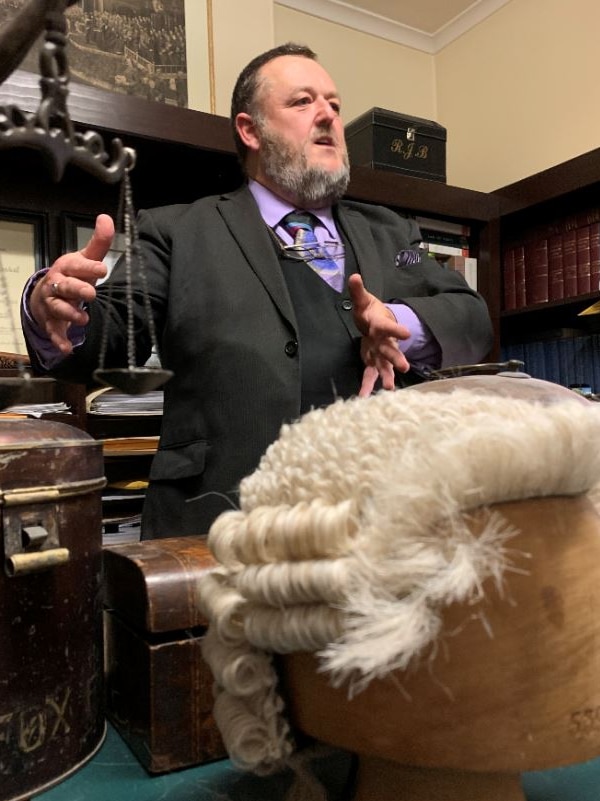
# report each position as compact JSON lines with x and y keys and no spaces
{"x":254,"y":335}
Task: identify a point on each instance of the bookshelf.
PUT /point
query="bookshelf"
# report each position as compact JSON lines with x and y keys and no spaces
{"x":553,"y":218}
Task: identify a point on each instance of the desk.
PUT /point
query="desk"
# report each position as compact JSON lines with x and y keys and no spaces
{"x":114,"y":774}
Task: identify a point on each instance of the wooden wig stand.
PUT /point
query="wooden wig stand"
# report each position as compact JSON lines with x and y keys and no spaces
{"x":518,"y":694}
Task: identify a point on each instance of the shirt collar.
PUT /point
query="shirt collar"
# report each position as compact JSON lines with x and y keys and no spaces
{"x":272,"y":208}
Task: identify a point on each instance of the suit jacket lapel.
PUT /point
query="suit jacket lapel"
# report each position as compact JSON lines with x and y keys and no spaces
{"x":241,"y":215}
{"x":357,"y":230}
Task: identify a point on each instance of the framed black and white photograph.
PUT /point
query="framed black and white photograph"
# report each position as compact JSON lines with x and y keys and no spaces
{"x":135,"y":47}
{"x":22,"y":252}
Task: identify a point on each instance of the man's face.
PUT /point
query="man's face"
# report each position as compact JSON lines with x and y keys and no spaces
{"x":302,"y":152}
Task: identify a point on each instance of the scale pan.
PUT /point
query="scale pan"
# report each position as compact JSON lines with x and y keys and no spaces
{"x":133,"y":380}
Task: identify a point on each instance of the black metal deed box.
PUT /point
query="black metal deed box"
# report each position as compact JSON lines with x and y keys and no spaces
{"x":388,"y":140}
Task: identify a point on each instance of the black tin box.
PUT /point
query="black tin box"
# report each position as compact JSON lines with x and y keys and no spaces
{"x":387,"y":140}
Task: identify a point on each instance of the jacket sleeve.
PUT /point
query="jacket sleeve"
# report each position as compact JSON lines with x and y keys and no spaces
{"x":456,"y":315}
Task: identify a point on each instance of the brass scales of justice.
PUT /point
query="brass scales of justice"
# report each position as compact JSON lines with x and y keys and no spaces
{"x":50,"y":131}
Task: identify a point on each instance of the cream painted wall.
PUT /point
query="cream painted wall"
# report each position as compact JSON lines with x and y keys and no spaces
{"x":241,"y":29}
{"x":385,"y":74}
{"x":197,"y":54}
{"x":519,"y":93}
{"x":367,"y":70}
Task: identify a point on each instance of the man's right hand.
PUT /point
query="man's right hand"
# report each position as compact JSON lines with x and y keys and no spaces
{"x":56,"y":301}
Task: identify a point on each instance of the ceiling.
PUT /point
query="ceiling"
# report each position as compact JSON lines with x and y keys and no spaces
{"x":426,"y":25}
{"x":428,"y":16}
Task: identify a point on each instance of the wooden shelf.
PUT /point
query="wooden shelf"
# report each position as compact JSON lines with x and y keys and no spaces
{"x":181,"y":155}
{"x":127,"y":115}
{"x":419,"y":196}
{"x":539,"y":321}
{"x":556,"y":183}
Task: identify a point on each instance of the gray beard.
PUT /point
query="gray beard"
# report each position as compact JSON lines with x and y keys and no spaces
{"x":311,"y":187}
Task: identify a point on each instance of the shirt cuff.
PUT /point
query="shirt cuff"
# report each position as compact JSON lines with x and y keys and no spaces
{"x":48,"y":355}
{"x":421,"y":348}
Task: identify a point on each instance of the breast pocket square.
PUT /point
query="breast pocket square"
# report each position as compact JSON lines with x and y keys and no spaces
{"x":404,"y":258}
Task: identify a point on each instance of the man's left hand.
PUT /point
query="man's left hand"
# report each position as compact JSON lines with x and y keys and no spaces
{"x":380,"y":334}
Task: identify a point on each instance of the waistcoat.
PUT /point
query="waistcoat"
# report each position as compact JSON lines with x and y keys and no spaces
{"x":329,"y":342}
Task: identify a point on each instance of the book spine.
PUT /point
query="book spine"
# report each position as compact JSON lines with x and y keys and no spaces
{"x":556,"y":281}
{"x":552,"y":361}
{"x":569,"y":249}
{"x":521,"y":297}
{"x":583,"y":260}
{"x":582,"y":361}
{"x":446,"y":250}
{"x":594,"y":256}
{"x":568,"y":361}
{"x":466,"y":266}
{"x":536,"y":272}
{"x":445,"y":226}
{"x":534,"y":358}
{"x":510,"y":287}
{"x":444,"y":238}
{"x":471,"y":272}
{"x":595,"y":348}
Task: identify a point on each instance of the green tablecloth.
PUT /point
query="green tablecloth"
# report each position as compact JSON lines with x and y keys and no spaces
{"x":114,"y":774}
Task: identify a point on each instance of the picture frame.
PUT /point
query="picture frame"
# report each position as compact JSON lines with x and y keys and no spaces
{"x":137,"y":47}
{"x":23,"y":251}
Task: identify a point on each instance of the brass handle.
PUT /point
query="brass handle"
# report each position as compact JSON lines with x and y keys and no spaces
{"x":48,"y":494}
{"x":20,"y":564}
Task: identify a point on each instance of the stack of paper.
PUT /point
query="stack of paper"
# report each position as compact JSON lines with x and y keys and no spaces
{"x":111,"y":402}
{"x":37,"y":409}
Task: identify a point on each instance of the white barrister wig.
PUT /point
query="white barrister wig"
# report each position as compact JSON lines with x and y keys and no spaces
{"x":353,"y":535}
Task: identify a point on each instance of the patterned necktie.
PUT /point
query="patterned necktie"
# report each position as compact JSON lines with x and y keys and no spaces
{"x":301,"y":226}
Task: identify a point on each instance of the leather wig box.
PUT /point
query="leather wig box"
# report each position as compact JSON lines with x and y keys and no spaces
{"x":387,"y":140}
{"x":159,"y":689}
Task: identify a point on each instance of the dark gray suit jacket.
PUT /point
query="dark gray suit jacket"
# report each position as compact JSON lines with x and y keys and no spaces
{"x":228,"y":331}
